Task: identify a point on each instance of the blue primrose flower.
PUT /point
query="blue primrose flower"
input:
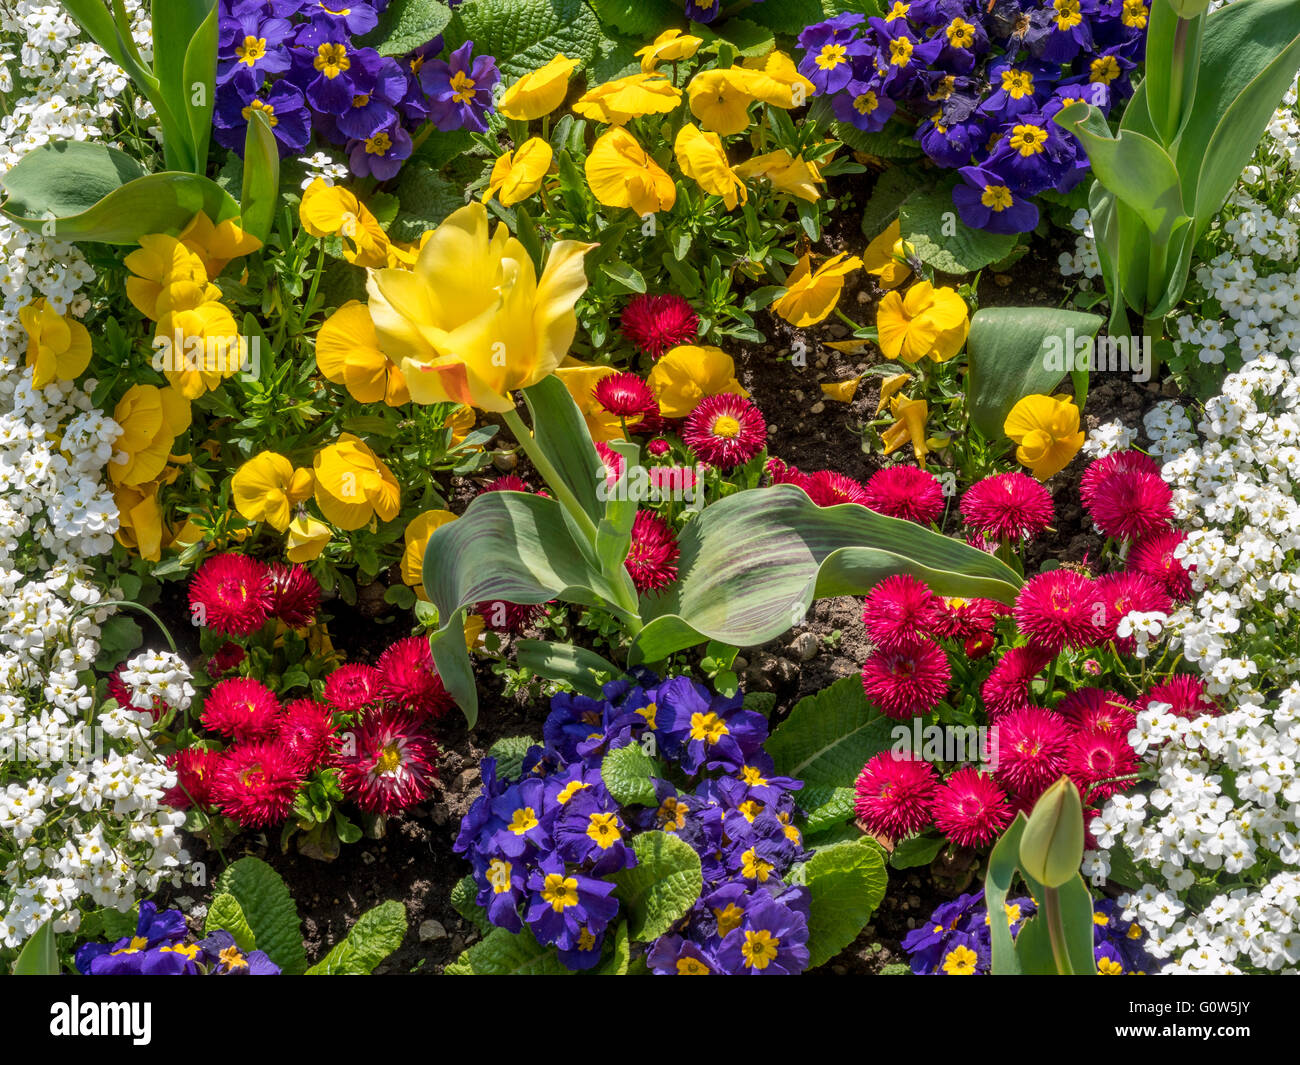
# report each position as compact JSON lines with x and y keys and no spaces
{"x":985,"y":201}
{"x":138,"y":953}
{"x":460,"y":89}
{"x":864,"y":105}
{"x":258,"y":48}
{"x":380,"y":156}
{"x":830,"y":48}
{"x":331,"y":70}
{"x":568,"y":909}
{"x":285,"y":110}
{"x":224,"y":958}
{"x":772,"y":940}
{"x":1062,"y":30}
{"x":1033,"y":154}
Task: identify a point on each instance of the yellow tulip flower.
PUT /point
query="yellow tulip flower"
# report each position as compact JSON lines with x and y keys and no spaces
{"x":348,"y":353}
{"x":1046,"y":430}
{"x":787,"y":173}
{"x":353,"y":484}
{"x":217,"y":244}
{"x":621,"y":174}
{"x":720,"y":99}
{"x":472,"y":320}
{"x":580,"y":379}
{"x":163,"y":263}
{"x":688,"y":374}
{"x":151,"y":419}
{"x":416,"y":538}
{"x":703,"y":159}
{"x":307,"y":539}
{"x":204,"y":347}
{"x":911,"y":415}
{"x":618,"y":102}
{"x":668,"y":47}
{"x":777,"y":81}
{"x":538,"y":93}
{"x":880,"y":260}
{"x":517,"y":175}
{"x":58,"y":346}
{"x":811,"y":295}
{"x":927,"y":321}
{"x":330,"y":210}
{"x":267,"y":488}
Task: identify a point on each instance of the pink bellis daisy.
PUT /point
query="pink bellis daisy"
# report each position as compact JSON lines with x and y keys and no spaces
{"x":906,"y":680}
{"x":906,"y":492}
{"x":970,"y":809}
{"x":1010,"y":506}
{"x":1059,"y":609}
{"x":393,"y":766}
{"x":900,"y":610}
{"x":652,"y":558}
{"x":655,"y":324}
{"x":725,"y":430}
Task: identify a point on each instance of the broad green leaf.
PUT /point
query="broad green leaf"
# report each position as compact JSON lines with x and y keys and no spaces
{"x":503,"y":953}
{"x":269,"y":910}
{"x":626,"y":773}
{"x":928,"y":219}
{"x":1170,"y":80}
{"x":526,"y":34}
{"x":1004,"y":864}
{"x":749,"y":39}
{"x":916,"y":850}
{"x":565,"y":662}
{"x":198,"y":85}
{"x":845,"y":885}
{"x":509,"y":751}
{"x":662,"y":887}
{"x":39,"y":956}
{"x":426,"y":197}
{"x":405,"y":25}
{"x":893,"y":142}
{"x":226,"y":914}
{"x":618,"y":953}
{"x":752,"y":564}
{"x":614,"y":532}
{"x":638,"y":18}
{"x":560,"y":430}
{"x":1033,"y":942}
{"x":1020,"y":351}
{"x":66,"y":177}
{"x":463,"y":897}
{"x":887,"y":196}
{"x":785,"y":16}
{"x":261,"y":192}
{"x":377,"y":933}
{"x":627,"y":277}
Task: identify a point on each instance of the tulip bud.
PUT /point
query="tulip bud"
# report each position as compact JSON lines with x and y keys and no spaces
{"x":1051,"y":848}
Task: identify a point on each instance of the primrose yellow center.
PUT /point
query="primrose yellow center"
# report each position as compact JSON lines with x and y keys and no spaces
{"x":265,"y":108}
{"x":560,"y":891}
{"x":138,"y":943}
{"x":759,"y":949}
{"x":232,"y":959}
{"x":602,"y":829}
{"x":729,"y":918}
{"x":1017,"y":83}
{"x":996,"y":197}
{"x":750,"y":809}
{"x":1028,"y":140}
{"x":960,"y":33}
{"x":253,"y":49}
{"x":1134,"y":932}
{"x":865,"y":103}
{"x":389,"y":759}
{"x":463,"y":86}
{"x":1134,"y":14}
{"x":753,"y":777}
{"x":379,"y":144}
{"x":1105,"y":69}
{"x":570,"y":790}
{"x":960,"y":961}
{"x":189,"y":950}
{"x":726,"y":427}
{"x":708,"y":727}
{"x":691,"y":967}
{"x":650,"y":712}
{"x":585,"y":939}
{"x":498,"y":874}
{"x":332,"y":60}
{"x":900,"y":52}
{"x":899,"y":10}
{"x":523,"y":820}
{"x":1110,"y":967}
{"x":1100,"y":919}
{"x":831,"y":56}
{"x":361,"y":100}
{"x":671,"y":815}
{"x":752,"y":867}
{"x":1068,"y":14}
{"x":1013,"y":913}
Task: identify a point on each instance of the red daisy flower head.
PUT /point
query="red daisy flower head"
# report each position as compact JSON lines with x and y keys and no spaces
{"x":1013,"y":506}
{"x":895,"y":793}
{"x":1122,"y":593}
{"x":255,"y":784}
{"x":351,"y":687}
{"x":613,"y":462}
{"x":196,"y":770}
{"x":295,"y":595}
{"x":1032,"y":744}
{"x":501,"y":616}
{"x":907,"y":680}
{"x":1093,"y":757}
{"x":827,"y":488}
{"x":654,"y":324}
{"x":1097,"y":710}
{"x":1132,"y":505}
{"x":970,"y":809}
{"x":242,"y":708}
{"x":307,"y":733}
{"x":658,"y":447}
{"x":725,"y":430}
{"x":123,"y":694}
{"x":506,"y":483}
{"x":779,"y":472}
{"x":900,"y":610}
{"x":907,"y":492}
{"x":231,"y":594}
{"x":393,"y":766}
{"x":1101,"y":470}
{"x":960,"y":617}
{"x":408,"y":677}
{"x":1186,"y":696}
{"x":626,"y":396}
{"x":978,"y":646}
{"x":226,"y":658}
{"x":652,"y":558}
{"x":1154,"y":556}
{"x":1007,"y":686}
{"x":1059,"y":609}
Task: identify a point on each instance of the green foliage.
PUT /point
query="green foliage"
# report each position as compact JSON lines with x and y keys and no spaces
{"x":225,"y":914}
{"x":916,"y":850}
{"x":929,"y":221}
{"x":526,"y":34}
{"x":377,"y":933}
{"x":845,"y":885}
{"x":261,"y":185}
{"x":503,"y":953}
{"x":638,"y":18}
{"x":463,"y":897}
{"x":269,"y":910}
{"x":406,"y":25}
{"x":627,"y":773}
{"x":39,"y":956}
{"x":662,"y":887}
{"x":509,"y":753}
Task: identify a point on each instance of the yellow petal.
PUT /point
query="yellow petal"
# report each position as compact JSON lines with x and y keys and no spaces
{"x":842,"y":391}
{"x":307,"y":539}
{"x":538,"y":93}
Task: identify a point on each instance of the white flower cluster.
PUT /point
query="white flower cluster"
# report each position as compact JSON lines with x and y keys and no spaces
{"x":1084,"y":259}
{"x":1108,"y":438}
{"x":324,"y":166}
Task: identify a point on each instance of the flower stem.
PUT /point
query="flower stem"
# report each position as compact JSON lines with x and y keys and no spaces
{"x":1056,"y":930}
{"x":550,"y":475}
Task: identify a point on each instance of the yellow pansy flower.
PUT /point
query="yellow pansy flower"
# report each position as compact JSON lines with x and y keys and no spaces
{"x":811,"y":295}
{"x":720,"y":99}
{"x":668,"y":47}
{"x":879,"y":258}
{"x":687,"y":374}
{"x":927,"y":321}
{"x":140,"y":519}
{"x":416,"y":538}
{"x":202,"y":347}
{"x":472,"y":320}
{"x":539,"y":92}
{"x":58,"y":346}
{"x":267,"y":488}
{"x":1046,"y":430}
{"x":581,"y":378}
{"x":151,"y":419}
{"x":890,"y":387}
{"x":777,"y":81}
{"x":307,"y":539}
{"x":911,"y":416}
{"x":353,"y":484}
{"x":348,"y":353}
{"x":703,"y":159}
{"x":330,"y":210}
{"x":621,"y":174}
{"x":619,"y":101}
{"x":462,"y":423}
{"x":217,"y":244}
{"x":787,"y":173}
{"x":517,"y":175}
{"x":162,"y":263}
{"x":474,"y":626}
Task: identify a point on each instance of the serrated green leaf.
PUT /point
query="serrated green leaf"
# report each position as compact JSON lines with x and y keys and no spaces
{"x":929,"y":221}
{"x":405,"y":25}
{"x":523,"y":35}
{"x":892,"y":142}
{"x":663,"y":885}
{"x":915,"y":850}
{"x":426,"y":198}
{"x":509,"y":753}
{"x":891,"y":189}
{"x":463,"y":901}
{"x":760,"y":702}
{"x":626,"y":772}
{"x":638,"y":18}
{"x":504,"y":953}
{"x":269,"y":910}
{"x":845,"y":885}
{"x":377,"y":933}
{"x":226,"y":914}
